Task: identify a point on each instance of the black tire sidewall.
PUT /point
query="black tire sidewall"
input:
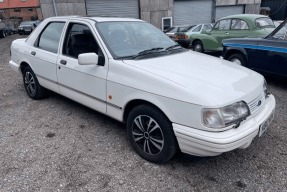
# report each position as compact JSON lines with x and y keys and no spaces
{"x":201,"y":45}
{"x":38,"y":87}
{"x":170,"y":142}
{"x":239,"y":56}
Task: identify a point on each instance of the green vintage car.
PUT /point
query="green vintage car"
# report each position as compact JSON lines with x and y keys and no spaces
{"x":242,"y":25}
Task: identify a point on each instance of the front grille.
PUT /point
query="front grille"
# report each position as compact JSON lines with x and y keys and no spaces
{"x":257,"y":103}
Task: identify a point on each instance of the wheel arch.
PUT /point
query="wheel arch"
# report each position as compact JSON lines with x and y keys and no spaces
{"x":23,"y":64}
{"x":230,"y":51}
{"x":136,"y":102}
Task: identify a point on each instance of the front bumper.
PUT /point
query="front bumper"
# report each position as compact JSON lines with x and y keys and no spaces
{"x":204,"y":143}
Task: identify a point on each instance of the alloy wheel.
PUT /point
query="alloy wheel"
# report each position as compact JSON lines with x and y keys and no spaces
{"x":147,"y":134}
{"x":30,"y":83}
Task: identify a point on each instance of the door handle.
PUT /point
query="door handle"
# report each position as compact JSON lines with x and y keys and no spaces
{"x":33,"y":53}
{"x":226,"y":33}
{"x":63,"y":62}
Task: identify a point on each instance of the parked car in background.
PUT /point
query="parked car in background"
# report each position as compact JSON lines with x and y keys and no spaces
{"x":131,"y":71}
{"x":242,"y":25}
{"x":2,"y":29}
{"x":10,"y":29}
{"x":26,"y":27}
{"x":183,"y":38}
{"x":172,"y":30}
{"x":266,"y":55}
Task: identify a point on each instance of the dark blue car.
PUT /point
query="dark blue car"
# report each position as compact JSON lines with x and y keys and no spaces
{"x":267,"y":55}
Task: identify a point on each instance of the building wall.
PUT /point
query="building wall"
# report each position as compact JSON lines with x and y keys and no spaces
{"x":236,"y":2}
{"x":63,"y":7}
{"x":154,"y":10}
{"x":7,"y":9}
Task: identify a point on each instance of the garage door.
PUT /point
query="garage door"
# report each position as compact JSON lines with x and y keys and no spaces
{"x":120,"y":8}
{"x":192,"y":12}
{"x":228,"y":10}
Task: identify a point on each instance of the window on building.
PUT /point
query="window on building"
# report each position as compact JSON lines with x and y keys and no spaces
{"x":17,"y":10}
{"x":1,"y":1}
{"x":166,"y":23}
{"x":30,"y":9}
{"x":3,"y":10}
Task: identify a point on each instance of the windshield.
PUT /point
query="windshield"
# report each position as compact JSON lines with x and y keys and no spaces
{"x":282,"y":33}
{"x":127,"y":39}
{"x":264,"y":22}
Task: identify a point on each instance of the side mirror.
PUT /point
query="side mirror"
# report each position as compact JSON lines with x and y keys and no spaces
{"x":88,"y":59}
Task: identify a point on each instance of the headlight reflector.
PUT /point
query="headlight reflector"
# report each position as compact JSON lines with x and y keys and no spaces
{"x":223,"y":117}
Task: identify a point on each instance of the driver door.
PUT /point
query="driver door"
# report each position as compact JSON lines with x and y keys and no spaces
{"x":83,"y":83}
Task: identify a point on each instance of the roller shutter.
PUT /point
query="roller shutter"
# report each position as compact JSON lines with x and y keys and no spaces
{"x":192,"y":12}
{"x":120,"y":8}
{"x":228,"y":10}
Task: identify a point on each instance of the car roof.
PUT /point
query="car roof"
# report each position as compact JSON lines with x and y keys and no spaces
{"x":97,"y":19}
{"x":245,"y":16}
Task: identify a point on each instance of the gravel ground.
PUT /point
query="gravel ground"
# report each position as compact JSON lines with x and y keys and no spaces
{"x":58,"y":145}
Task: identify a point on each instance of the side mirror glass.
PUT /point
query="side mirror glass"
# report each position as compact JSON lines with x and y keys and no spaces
{"x":88,"y":59}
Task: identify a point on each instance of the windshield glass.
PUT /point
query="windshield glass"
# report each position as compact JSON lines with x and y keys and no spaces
{"x":127,"y":39}
{"x":264,"y":22}
{"x":282,"y":33}
{"x":27,"y":23}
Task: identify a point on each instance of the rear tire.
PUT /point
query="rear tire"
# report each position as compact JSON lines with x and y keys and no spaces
{"x":237,"y":58}
{"x":31,"y":84}
{"x":151,"y":134}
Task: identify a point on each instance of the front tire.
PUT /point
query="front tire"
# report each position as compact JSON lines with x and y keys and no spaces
{"x":31,"y":84}
{"x":198,"y":46}
{"x":151,"y":134}
{"x":237,"y":58}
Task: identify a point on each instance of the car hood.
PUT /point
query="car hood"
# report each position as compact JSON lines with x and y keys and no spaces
{"x":204,"y":79}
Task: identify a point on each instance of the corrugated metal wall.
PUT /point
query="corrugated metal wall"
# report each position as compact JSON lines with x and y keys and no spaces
{"x":192,"y":12}
{"x":278,"y":8}
{"x":119,"y":8}
{"x":228,"y":10}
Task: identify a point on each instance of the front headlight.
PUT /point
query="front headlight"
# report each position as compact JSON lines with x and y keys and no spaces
{"x":223,"y":117}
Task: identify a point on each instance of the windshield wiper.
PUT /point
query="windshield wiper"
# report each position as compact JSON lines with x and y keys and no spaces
{"x":172,"y":47}
{"x":147,"y":51}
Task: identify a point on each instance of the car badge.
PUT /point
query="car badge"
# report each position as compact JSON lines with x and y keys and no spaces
{"x":259,"y":103}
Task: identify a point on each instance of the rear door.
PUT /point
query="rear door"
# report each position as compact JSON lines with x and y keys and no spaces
{"x":44,"y":53}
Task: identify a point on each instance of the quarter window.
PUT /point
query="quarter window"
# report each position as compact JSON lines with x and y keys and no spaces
{"x":238,"y":24}
{"x":50,"y":37}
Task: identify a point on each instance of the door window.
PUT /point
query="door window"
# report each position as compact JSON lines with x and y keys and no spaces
{"x":79,"y":39}
{"x":222,"y":25}
{"x":282,"y":33}
{"x":50,"y":37}
{"x":238,"y":24}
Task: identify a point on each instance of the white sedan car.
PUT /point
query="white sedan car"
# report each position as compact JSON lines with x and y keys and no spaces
{"x":170,"y":98}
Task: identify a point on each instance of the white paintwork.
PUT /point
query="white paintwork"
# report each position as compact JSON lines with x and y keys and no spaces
{"x":88,"y":59}
{"x":180,"y":85}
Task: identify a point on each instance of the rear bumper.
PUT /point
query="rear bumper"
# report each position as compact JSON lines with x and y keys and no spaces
{"x":203,"y":143}
{"x":14,"y":66}
{"x":185,"y":42}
